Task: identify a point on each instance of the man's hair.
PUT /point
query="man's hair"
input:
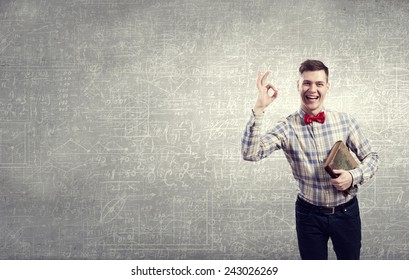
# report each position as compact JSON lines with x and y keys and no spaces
{"x":313,"y":65}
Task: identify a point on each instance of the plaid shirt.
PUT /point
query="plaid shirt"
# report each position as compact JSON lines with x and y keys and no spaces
{"x":307,"y":146}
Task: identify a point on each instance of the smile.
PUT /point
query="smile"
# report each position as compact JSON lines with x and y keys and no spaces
{"x":311,"y":97}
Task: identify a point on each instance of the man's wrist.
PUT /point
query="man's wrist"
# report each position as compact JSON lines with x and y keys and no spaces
{"x":257,"y":111}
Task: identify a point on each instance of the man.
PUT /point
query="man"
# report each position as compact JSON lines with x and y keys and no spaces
{"x":325,"y":207}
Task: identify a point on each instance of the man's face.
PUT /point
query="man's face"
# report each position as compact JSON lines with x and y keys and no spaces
{"x":313,"y":87}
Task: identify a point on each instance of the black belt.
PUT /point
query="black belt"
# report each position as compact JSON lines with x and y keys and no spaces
{"x":323,"y":209}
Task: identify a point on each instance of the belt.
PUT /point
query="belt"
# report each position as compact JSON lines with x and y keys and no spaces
{"x":323,"y":209}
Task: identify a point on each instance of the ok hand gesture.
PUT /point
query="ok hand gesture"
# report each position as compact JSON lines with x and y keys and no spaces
{"x":264,"y":96}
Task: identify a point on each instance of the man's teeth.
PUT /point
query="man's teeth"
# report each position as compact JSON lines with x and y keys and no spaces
{"x":312,"y":97}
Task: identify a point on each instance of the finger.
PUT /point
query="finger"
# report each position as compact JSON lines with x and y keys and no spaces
{"x":275,"y":92}
{"x":258,"y":79}
{"x":263,"y":80}
{"x":338,"y":171}
{"x":342,"y":187}
{"x":273,"y":87}
{"x":274,"y":95}
{"x":337,"y":181}
{"x":339,"y":187}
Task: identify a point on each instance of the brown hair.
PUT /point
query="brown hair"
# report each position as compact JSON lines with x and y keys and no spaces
{"x":313,"y":65}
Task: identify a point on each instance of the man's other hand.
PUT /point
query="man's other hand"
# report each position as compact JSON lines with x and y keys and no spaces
{"x":343,"y":181}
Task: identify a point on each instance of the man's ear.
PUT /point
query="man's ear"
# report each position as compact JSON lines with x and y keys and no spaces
{"x":298,"y":84}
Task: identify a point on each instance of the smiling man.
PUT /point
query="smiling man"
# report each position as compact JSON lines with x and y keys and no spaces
{"x":325,"y":207}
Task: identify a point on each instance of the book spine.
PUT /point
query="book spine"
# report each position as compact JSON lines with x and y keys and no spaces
{"x":330,"y":172}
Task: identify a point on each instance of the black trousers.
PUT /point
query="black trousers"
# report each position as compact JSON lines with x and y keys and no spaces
{"x":316,"y":225}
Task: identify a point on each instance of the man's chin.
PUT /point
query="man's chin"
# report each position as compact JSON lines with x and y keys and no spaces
{"x":312,"y":109}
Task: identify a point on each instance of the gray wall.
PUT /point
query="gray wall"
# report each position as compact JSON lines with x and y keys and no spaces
{"x":121,"y":121}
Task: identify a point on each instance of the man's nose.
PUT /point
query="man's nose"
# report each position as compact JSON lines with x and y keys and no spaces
{"x":313,"y":88}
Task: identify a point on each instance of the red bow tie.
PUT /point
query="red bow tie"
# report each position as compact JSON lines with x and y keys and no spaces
{"x":318,"y":118}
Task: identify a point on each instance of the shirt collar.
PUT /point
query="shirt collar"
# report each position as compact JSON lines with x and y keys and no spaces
{"x":302,"y":113}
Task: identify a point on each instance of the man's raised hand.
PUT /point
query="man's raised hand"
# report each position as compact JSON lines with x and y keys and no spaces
{"x":265,"y":96}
